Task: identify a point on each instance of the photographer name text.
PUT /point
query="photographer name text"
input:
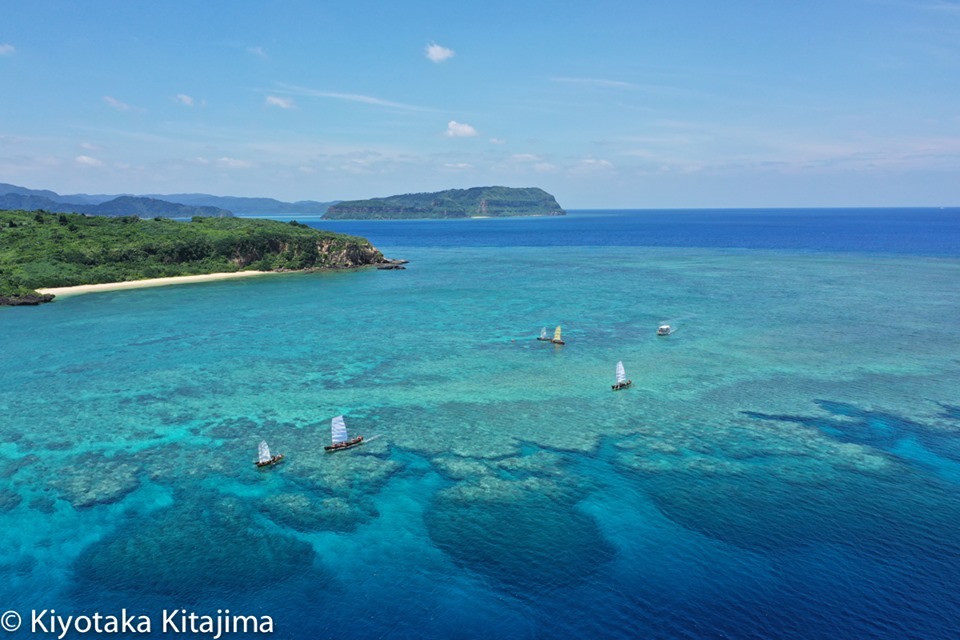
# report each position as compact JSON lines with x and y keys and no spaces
{"x":172,"y":621}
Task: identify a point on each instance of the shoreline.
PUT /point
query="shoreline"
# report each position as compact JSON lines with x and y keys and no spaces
{"x":150,"y":282}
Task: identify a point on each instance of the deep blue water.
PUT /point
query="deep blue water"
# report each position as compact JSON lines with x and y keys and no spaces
{"x":920,"y":231}
{"x":786,"y":465}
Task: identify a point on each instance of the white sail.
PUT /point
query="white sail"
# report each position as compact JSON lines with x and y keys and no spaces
{"x":621,"y":374}
{"x":338,"y":430}
{"x":543,"y":333}
{"x":264,"y":453}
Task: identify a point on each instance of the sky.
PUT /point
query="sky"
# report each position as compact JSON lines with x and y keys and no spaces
{"x":604,"y":104}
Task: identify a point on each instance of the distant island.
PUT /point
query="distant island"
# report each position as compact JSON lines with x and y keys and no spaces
{"x":178,"y":205}
{"x":493,"y":202}
{"x":41,"y":249}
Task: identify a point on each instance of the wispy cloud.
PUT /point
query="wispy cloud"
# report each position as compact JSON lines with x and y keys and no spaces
{"x":527,"y":161}
{"x":257,"y":51}
{"x":459,"y":130}
{"x":946,"y":6}
{"x":119,"y":105}
{"x":436,"y":53}
{"x":184,"y":99}
{"x":350,"y":97}
{"x":283,"y":103}
{"x":591,"y":165}
{"x":87,"y":161}
{"x":597,"y":82}
{"x":232,"y":163}
{"x":7,"y":49}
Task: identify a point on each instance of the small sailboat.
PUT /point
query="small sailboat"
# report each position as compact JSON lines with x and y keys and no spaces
{"x":264,"y":459}
{"x":556,"y":337}
{"x":543,"y":335}
{"x":664,"y":330}
{"x":339,"y":437}
{"x":622,"y":382}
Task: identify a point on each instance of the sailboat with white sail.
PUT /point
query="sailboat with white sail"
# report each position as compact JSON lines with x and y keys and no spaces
{"x":339,"y":438}
{"x":622,"y":382}
{"x":543,"y":335}
{"x":264,"y":459}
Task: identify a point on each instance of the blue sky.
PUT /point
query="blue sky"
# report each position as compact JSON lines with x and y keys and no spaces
{"x":628,"y":104}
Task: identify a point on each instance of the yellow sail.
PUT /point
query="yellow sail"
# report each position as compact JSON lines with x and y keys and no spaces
{"x":556,"y":334}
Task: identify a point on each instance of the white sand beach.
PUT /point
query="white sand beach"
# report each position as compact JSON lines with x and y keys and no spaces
{"x":151,"y":282}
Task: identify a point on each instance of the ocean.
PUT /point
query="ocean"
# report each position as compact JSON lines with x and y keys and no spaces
{"x":786,"y":464}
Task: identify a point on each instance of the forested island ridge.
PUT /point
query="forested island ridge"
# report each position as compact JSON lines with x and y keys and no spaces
{"x":40,"y":249}
{"x":492,"y":202}
{"x":176,"y":205}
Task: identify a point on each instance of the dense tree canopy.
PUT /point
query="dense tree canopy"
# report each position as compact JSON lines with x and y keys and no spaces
{"x":40,"y":249}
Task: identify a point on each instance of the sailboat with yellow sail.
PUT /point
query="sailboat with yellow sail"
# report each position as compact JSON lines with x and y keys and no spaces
{"x":556,"y":337}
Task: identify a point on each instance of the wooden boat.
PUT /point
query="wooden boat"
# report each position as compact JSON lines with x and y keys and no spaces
{"x":264,"y":459}
{"x":340,"y":439}
{"x":664,"y":330}
{"x":622,"y":382}
{"x":556,"y":337}
{"x":543,"y":335}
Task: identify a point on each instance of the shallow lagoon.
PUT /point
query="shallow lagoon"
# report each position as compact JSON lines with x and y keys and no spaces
{"x":785,"y":464}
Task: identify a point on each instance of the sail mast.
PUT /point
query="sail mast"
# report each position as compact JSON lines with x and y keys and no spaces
{"x":621,"y":374}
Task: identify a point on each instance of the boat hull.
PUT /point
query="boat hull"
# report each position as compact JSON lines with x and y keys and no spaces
{"x":621,"y":385}
{"x":349,"y":444}
{"x":558,"y":342}
{"x":277,"y":459}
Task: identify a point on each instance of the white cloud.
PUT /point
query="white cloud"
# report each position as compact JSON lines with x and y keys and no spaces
{"x":257,"y":51}
{"x":458,"y":165}
{"x":87,"y":161}
{"x":283,"y":103}
{"x":497,"y":141}
{"x":118,"y":105}
{"x":524,"y":157}
{"x":459,"y":130}
{"x":232,"y":163}
{"x":438,"y":54}
{"x":184,"y":99}
{"x":7,"y":49}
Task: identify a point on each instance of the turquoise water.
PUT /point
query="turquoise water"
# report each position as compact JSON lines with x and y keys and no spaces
{"x":785,"y":465}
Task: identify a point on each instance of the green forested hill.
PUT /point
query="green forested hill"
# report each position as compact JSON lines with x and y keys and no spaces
{"x":120,"y":206}
{"x":39,"y":250}
{"x":453,"y":203}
